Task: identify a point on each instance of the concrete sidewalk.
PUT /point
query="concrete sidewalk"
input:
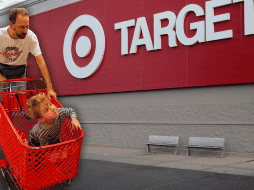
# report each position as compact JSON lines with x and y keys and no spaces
{"x":227,"y":165}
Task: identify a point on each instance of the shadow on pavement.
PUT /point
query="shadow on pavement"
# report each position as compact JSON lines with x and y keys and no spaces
{"x":103,"y":175}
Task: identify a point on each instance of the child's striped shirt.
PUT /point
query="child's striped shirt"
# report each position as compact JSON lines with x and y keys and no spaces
{"x":41,"y":135}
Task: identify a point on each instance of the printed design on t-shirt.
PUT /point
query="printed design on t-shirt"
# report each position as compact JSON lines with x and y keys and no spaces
{"x":11,"y":54}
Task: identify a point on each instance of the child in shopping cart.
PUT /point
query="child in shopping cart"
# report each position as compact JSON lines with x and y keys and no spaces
{"x":50,"y":119}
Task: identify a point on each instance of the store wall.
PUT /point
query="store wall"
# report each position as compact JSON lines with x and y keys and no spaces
{"x":218,"y":61}
{"x":128,"y":118}
{"x":34,"y":7}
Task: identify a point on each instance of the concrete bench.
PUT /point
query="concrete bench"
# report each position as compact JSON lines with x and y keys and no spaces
{"x":206,"y":143}
{"x":168,"y":141}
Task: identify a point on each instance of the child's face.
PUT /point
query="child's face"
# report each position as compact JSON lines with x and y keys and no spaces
{"x":48,"y":111}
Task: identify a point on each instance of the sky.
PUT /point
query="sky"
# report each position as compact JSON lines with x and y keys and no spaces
{"x":7,"y":3}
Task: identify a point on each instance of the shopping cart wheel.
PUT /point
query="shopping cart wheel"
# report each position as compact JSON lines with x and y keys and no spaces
{"x":5,"y":177}
{"x":68,"y":182}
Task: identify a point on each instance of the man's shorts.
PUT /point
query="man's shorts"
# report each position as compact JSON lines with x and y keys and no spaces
{"x":12,"y":72}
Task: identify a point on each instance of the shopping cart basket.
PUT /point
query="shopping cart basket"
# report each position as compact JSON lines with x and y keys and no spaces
{"x":34,"y":168}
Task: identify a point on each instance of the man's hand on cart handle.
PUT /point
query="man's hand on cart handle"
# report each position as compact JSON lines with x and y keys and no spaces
{"x":75,"y":123}
{"x":51,"y":92}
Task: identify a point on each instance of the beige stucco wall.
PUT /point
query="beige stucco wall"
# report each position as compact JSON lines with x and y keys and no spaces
{"x":127,"y":119}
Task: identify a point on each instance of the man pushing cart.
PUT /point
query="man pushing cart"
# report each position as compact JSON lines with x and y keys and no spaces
{"x":49,"y":163}
{"x":16,"y":42}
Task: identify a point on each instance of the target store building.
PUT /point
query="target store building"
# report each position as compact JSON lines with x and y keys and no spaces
{"x":136,"y":68}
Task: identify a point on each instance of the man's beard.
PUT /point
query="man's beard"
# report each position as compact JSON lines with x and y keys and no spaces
{"x":20,"y":36}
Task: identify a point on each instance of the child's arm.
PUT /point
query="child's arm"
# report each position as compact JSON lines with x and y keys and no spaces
{"x":69,"y":112}
{"x":33,"y":140}
{"x":26,"y":142}
{"x":75,"y":123}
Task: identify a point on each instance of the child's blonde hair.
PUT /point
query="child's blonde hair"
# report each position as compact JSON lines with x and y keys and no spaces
{"x":33,"y":105}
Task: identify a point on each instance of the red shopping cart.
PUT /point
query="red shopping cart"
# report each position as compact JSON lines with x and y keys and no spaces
{"x":34,"y":168}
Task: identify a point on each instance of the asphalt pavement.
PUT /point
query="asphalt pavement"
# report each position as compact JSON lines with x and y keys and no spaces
{"x":104,"y":175}
{"x":103,"y":168}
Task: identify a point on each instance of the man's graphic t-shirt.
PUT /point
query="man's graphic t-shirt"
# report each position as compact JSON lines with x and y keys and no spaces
{"x":15,"y":51}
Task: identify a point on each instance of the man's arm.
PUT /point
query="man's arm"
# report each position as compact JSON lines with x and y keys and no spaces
{"x":44,"y":71}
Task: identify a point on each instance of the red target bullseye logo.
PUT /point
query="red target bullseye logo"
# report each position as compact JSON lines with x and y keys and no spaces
{"x":83,"y":46}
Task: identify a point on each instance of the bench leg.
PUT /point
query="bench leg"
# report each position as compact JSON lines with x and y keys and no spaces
{"x":188,"y":152}
{"x":148,"y":148}
{"x":223,"y":153}
{"x":177,"y":150}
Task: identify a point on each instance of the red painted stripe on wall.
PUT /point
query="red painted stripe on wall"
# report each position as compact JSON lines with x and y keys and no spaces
{"x":227,"y":61}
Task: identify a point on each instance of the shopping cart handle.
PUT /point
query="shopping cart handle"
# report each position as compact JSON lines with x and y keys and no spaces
{"x":53,"y":98}
{"x":21,"y":79}
{"x":78,"y":139}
